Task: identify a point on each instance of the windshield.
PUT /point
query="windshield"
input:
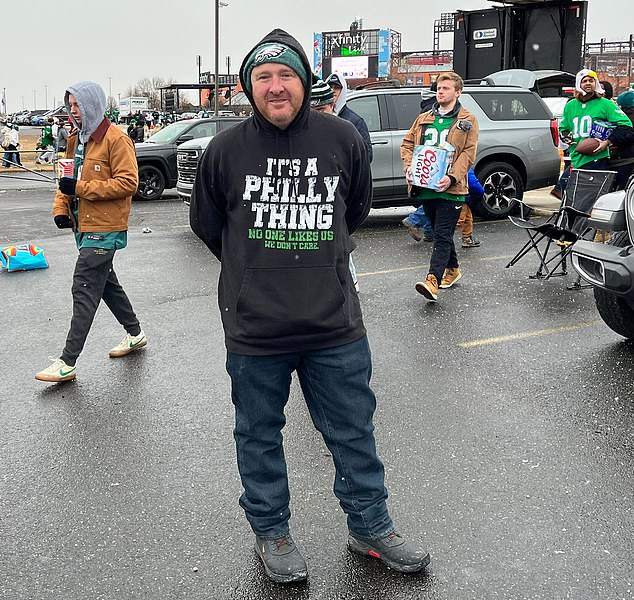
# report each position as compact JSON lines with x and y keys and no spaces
{"x":168,"y":134}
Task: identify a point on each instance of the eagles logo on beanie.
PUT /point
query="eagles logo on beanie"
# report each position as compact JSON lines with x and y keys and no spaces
{"x":274,"y":52}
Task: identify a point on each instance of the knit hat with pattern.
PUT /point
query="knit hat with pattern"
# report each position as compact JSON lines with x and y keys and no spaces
{"x":321,"y":94}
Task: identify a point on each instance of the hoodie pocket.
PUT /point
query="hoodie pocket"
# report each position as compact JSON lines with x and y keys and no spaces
{"x":294,"y":301}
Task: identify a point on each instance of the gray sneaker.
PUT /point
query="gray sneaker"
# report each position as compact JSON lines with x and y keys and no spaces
{"x":281,"y":558}
{"x":414,"y":231}
{"x":394,"y":551}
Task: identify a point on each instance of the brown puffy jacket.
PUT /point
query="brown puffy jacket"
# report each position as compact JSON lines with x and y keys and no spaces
{"x":465,"y":143}
{"x":109,"y":179}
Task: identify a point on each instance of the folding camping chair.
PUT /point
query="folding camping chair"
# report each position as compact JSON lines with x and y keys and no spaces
{"x":565,"y":226}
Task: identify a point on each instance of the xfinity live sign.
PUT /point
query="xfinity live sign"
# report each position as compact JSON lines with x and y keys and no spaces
{"x":349,"y":43}
{"x":373,"y":45}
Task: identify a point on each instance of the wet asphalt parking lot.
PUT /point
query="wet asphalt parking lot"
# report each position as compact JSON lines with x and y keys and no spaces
{"x":505,"y":420}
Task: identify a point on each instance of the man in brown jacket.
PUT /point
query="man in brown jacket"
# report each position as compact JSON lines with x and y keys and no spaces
{"x":449,"y":122}
{"x":95,"y":203}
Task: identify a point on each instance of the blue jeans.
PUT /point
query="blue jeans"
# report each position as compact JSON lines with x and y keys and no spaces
{"x":336,"y":386}
{"x":11,"y":157}
{"x":419,"y":219}
{"x":444,"y":215}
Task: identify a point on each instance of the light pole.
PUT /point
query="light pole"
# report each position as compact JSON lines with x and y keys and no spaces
{"x":110,"y":92}
{"x":199,"y":61}
{"x":45,"y":96}
{"x":34,"y":101}
{"x":219,"y":3}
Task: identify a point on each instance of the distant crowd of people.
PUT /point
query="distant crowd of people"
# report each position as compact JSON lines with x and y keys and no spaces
{"x":53,"y":139}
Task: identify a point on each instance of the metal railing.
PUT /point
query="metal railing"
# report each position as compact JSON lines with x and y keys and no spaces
{"x":6,"y":161}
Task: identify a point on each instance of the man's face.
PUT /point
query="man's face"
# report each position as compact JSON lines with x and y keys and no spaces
{"x":74,"y":108}
{"x":278,"y":93}
{"x":446,"y":93}
{"x":336,"y":90}
{"x":588,"y":84}
{"x":326,"y":108}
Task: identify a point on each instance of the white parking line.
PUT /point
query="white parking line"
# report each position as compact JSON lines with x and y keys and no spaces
{"x":421,"y":267}
{"x":528,"y":334}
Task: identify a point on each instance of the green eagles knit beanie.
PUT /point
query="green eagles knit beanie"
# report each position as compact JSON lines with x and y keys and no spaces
{"x":274,"y":52}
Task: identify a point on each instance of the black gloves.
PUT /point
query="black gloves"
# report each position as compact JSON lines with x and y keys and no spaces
{"x":566,"y":137}
{"x":63,"y":221}
{"x":67,"y":186}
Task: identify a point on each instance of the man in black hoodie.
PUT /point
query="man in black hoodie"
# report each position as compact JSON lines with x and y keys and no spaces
{"x":276,"y":199}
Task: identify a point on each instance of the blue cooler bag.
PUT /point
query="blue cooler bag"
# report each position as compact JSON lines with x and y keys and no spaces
{"x":23,"y":258}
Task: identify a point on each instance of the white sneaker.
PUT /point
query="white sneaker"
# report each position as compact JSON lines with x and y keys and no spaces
{"x":128,"y":344}
{"x":57,"y":372}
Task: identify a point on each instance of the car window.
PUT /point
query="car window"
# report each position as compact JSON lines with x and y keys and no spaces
{"x":367,"y":107}
{"x":406,"y":109}
{"x":203,"y":130}
{"x":227,"y":124}
{"x":511,"y":106}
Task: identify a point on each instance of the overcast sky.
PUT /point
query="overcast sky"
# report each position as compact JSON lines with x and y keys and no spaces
{"x":53,"y":44}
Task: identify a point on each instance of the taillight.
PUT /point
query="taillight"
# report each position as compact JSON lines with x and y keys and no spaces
{"x":629,"y":208}
{"x":554,"y":132}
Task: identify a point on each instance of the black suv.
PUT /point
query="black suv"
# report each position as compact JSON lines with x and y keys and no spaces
{"x":156,"y":157}
{"x":517,"y":146}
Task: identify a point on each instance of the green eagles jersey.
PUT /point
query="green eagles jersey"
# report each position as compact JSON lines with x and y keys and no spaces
{"x":47,"y":136}
{"x":436,"y":134}
{"x":578,"y":118}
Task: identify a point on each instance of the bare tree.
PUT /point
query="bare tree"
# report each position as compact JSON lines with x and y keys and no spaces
{"x":150,"y":89}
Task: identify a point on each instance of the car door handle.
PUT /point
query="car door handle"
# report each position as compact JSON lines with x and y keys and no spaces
{"x":380,"y":142}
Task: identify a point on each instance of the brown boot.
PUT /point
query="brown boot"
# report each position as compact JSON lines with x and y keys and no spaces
{"x":428,"y":288}
{"x":450,"y":276}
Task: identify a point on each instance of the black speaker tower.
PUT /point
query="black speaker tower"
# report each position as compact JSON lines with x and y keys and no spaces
{"x":520,"y":35}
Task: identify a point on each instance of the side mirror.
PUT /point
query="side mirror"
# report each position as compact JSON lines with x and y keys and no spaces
{"x":184,"y":138}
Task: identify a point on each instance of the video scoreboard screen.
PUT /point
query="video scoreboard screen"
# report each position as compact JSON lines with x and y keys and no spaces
{"x":359,"y":54}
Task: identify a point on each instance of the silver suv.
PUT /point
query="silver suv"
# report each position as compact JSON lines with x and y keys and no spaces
{"x":517,"y":147}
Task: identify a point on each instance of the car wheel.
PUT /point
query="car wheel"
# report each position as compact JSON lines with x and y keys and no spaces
{"x":616,"y":313}
{"x":502,"y":185}
{"x":151,"y":183}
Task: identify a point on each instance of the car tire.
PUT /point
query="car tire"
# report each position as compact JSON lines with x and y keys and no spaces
{"x":502,"y":186}
{"x":616,"y":313}
{"x":151,"y":183}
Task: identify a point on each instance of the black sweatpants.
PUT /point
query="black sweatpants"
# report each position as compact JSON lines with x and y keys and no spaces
{"x":94,"y":279}
{"x":444,"y":215}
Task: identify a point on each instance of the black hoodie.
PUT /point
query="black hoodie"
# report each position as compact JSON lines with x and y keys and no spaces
{"x":277,"y":208}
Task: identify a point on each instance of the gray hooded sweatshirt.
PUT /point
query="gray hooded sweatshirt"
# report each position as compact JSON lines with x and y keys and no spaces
{"x":92,"y":103}
{"x":342,"y":110}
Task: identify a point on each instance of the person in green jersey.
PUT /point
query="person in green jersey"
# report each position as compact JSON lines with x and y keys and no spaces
{"x":447,"y":121}
{"x":47,"y":143}
{"x":581,"y":113}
